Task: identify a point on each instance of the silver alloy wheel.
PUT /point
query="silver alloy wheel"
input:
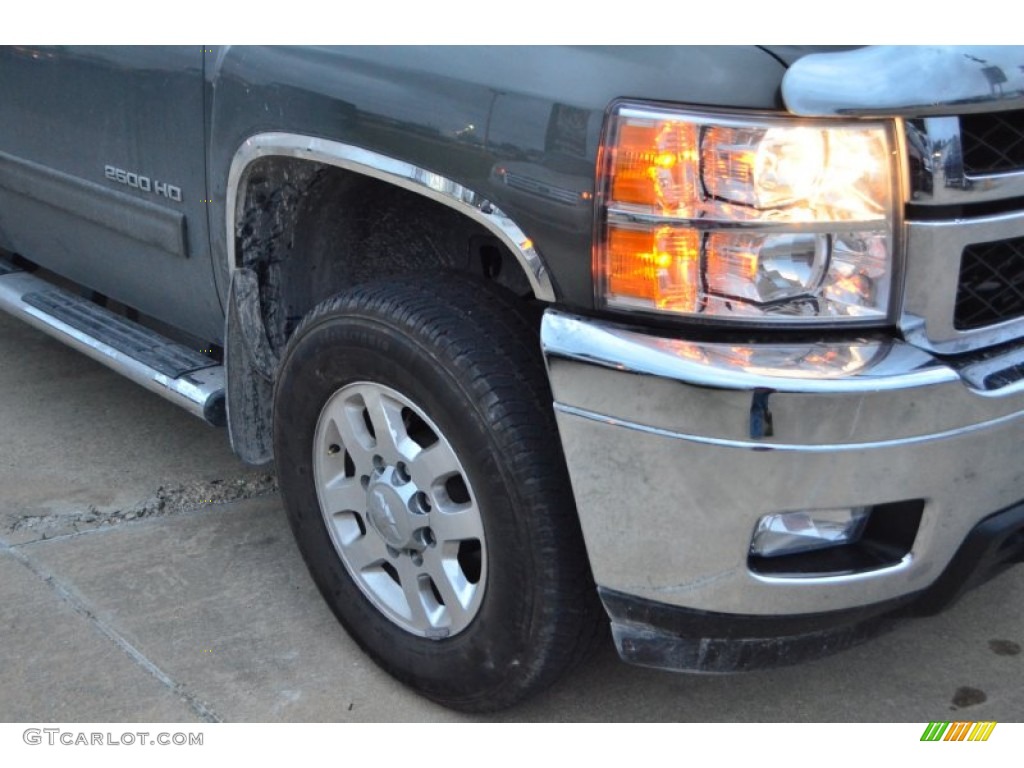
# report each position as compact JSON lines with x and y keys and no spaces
{"x":400,"y":509}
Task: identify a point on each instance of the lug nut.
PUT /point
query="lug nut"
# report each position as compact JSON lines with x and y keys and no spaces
{"x":426,"y":537}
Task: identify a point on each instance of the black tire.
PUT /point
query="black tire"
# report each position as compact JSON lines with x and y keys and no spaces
{"x":462,"y":354}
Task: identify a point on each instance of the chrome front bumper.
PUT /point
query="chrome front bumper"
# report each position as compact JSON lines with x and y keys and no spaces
{"x":676,"y":449}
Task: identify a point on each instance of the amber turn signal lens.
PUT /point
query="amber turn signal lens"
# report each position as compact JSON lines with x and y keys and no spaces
{"x":654,"y":266}
{"x":653,"y":164}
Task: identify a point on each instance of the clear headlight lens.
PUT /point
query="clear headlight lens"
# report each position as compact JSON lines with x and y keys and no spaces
{"x":762,"y":218}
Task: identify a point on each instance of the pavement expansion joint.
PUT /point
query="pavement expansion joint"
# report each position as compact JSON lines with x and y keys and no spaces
{"x":66,"y":593}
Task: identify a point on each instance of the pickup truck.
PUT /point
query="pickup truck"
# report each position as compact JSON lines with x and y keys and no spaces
{"x":721,"y":347}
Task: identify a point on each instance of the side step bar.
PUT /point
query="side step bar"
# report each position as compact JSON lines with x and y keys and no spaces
{"x":182,"y":375}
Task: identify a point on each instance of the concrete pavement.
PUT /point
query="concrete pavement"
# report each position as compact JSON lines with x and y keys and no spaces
{"x":147,"y":575}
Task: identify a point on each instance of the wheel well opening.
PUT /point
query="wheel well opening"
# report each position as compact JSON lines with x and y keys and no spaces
{"x":310,"y":230}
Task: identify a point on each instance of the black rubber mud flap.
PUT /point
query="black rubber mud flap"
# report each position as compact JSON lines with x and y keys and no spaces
{"x":250,"y":364}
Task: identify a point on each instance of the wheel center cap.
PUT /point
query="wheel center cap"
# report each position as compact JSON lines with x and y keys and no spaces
{"x":386,"y":512}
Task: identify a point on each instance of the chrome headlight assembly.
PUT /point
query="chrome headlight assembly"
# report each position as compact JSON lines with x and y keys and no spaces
{"x":756,"y":219}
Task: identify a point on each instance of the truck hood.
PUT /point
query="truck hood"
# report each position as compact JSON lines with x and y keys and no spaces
{"x":787,"y":54}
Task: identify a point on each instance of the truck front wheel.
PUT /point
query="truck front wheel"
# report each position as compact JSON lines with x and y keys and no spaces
{"x":422,"y":475}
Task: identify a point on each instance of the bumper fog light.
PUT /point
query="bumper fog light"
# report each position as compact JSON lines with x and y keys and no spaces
{"x":806,"y":530}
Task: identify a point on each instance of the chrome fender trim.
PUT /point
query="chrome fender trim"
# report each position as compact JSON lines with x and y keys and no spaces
{"x":388,"y":169}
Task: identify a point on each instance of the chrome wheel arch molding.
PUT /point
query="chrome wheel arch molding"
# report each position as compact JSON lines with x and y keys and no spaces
{"x":388,"y":169}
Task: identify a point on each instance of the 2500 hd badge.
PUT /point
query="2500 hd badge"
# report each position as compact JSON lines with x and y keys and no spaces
{"x":143,"y":183}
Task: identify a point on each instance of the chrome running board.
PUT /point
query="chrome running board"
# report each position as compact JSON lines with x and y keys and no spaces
{"x":182,"y":375}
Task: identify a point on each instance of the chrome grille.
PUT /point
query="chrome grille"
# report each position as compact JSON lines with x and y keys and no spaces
{"x":964,"y":245}
{"x":991,"y":285}
{"x":993,"y":142}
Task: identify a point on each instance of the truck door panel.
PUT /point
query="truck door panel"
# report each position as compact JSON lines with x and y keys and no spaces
{"x":102,"y":174}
